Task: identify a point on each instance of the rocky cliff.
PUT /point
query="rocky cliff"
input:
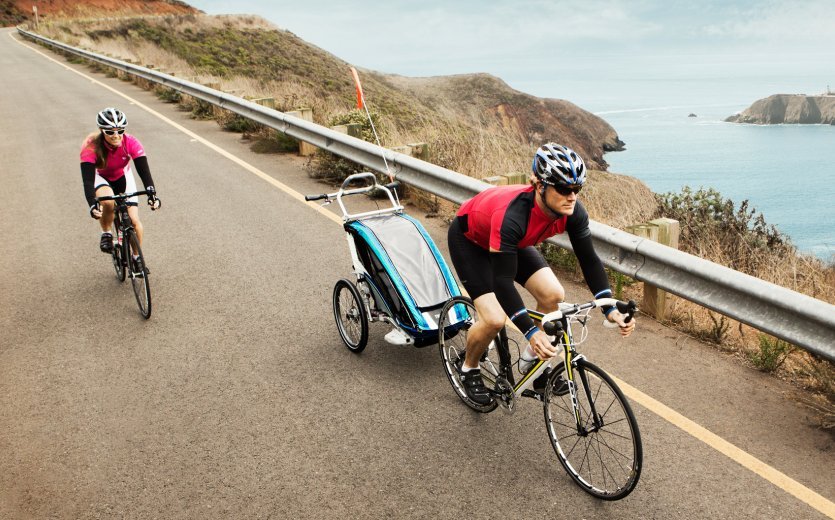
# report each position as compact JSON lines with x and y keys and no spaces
{"x":488,"y":100}
{"x":789,"y":109}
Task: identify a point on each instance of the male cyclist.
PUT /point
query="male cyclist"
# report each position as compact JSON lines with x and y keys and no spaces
{"x":491,"y":243}
{"x":105,"y":169}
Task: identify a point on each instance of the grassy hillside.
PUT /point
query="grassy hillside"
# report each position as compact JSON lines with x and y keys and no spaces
{"x":227,"y":46}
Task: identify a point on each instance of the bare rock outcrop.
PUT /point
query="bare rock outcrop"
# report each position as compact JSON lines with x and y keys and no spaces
{"x":789,"y":109}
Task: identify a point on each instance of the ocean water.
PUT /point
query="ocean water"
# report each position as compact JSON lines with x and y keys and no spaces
{"x":786,"y":172}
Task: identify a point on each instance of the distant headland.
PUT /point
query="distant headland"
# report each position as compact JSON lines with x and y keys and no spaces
{"x":789,"y":109}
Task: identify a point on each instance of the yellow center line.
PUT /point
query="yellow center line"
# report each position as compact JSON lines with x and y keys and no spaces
{"x":779,"y":479}
{"x":739,"y":456}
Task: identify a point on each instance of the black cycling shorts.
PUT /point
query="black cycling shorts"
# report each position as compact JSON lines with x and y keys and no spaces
{"x":472,"y":262}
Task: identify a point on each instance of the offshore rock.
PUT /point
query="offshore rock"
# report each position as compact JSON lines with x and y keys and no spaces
{"x":789,"y":109}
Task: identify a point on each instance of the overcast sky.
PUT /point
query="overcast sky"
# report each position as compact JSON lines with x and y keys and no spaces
{"x":529,"y":43}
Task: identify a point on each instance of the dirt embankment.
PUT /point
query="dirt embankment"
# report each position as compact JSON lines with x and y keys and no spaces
{"x":16,"y":11}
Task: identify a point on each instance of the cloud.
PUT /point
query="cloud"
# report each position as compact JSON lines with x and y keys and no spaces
{"x":778,"y":22}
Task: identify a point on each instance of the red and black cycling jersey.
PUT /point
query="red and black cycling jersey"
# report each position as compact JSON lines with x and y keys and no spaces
{"x":504,"y":219}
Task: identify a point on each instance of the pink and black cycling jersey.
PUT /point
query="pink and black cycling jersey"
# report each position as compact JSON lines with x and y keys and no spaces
{"x":117,"y":160}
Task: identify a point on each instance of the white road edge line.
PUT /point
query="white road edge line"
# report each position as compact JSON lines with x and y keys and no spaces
{"x":778,"y":478}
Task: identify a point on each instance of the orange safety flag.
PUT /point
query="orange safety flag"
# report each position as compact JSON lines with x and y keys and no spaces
{"x":360,"y":97}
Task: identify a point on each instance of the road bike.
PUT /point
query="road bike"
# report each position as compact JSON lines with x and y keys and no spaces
{"x":590,"y":424}
{"x":127,"y":257}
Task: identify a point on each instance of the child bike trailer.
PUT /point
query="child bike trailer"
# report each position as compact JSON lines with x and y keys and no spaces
{"x":401,"y":277}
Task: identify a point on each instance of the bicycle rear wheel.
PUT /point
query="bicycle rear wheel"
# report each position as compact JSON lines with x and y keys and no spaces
{"x":138,"y":275}
{"x":457,"y":317}
{"x":350,"y":315}
{"x":116,"y":254}
{"x":604,"y":456}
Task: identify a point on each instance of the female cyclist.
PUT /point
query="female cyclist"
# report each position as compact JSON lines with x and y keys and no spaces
{"x":105,"y":170}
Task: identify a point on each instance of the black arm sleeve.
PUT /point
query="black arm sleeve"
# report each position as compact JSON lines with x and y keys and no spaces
{"x":144,"y":171}
{"x":504,"y":271}
{"x":593,"y":271}
{"x":88,"y":176}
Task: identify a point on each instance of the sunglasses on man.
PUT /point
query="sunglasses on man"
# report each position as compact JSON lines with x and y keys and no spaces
{"x":118,"y":131}
{"x":566,"y":190}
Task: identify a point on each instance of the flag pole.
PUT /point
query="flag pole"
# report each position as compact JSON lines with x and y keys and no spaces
{"x":361,"y":104}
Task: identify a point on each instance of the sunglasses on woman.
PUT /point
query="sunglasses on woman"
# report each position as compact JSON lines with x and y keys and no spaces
{"x":118,"y":131}
{"x":566,"y":190}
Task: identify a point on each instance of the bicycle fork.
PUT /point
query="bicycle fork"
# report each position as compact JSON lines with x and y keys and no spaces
{"x":570,"y":359}
{"x":570,"y":362}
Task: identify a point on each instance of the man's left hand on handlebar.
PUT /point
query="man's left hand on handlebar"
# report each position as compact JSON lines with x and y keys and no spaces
{"x":624,"y":328}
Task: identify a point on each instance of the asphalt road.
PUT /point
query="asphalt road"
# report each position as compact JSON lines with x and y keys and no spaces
{"x":237,"y":400}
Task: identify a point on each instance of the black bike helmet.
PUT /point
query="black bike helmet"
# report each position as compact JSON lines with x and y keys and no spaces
{"x":557,"y":165}
{"x":111,"y":118}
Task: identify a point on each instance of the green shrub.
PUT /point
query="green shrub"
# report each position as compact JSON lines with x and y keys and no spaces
{"x":237,"y":123}
{"x":333,"y":168}
{"x":771,"y":354}
{"x":618,"y":282}
{"x":275,"y":142}
{"x":712,"y":227}
{"x":558,"y":257}
{"x":717,"y":331}
{"x":202,"y":109}
{"x":168,"y":95}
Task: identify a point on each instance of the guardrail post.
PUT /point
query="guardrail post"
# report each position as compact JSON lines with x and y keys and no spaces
{"x":496,"y":180}
{"x":266,"y":102}
{"x":305,"y":149}
{"x":664,"y":231}
{"x":352,"y":129}
{"x":420,"y":151}
{"x":517,"y":178}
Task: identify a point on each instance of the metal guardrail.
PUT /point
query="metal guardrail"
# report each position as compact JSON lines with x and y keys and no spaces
{"x":786,"y":314}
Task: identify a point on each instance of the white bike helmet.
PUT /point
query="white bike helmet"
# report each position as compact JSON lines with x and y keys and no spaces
{"x":111,"y":118}
{"x":558,"y":165}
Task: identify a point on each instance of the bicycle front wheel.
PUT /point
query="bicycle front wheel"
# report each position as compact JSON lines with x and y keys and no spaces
{"x":139,"y":275}
{"x":457,"y":317}
{"x":600,"y":447}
